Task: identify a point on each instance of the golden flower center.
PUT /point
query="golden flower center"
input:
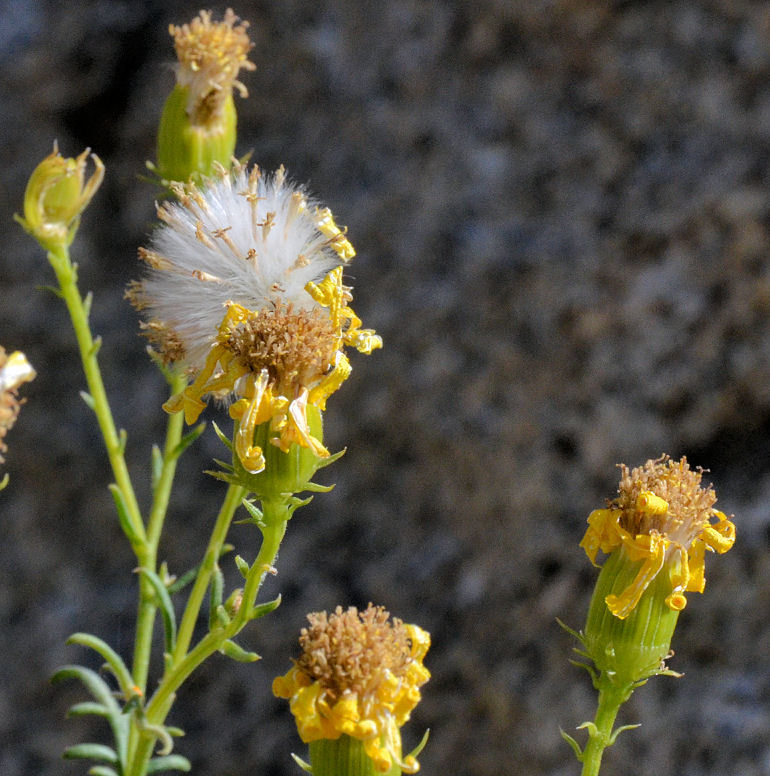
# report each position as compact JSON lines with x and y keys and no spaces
{"x":352,"y":651}
{"x":688,"y":505}
{"x":295,"y":347}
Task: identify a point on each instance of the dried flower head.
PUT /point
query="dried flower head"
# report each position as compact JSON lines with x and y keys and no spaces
{"x":14,"y":371}
{"x":211,"y":54}
{"x":662,"y":517}
{"x":245,"y":289}
{"x":359,"y":675}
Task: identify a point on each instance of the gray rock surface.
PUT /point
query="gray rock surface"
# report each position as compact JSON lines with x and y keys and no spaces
{"x":561,"y":214}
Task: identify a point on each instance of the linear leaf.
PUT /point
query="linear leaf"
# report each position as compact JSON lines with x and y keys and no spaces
{"x":102,"y":770}
{"x":215,"y":596}
{"x":88,"y":399}
{"x":123,"y":516}
{"x":88,"y":707}
{"x":166,"y":607}
{"x":91,"y":752}
{"x":156,"y":466}
{"x":263,"y":609}
{"x":114,"y":661}
{"x":223,"y":438}
{"x":187,"y":440}
{"x":170,"y":762}
{"x":100,"y":690}
{"x":254,"y":511}
{"x":243,"y":566}
{"x":238,"y":653}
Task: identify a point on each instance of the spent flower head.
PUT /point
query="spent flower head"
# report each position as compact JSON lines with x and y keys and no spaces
{"x":14,"y":371}
{"x":211,"y":55}
{"x":664,"y":518}
{"x":57,"y":193}
{"x":245,"y":290}
{"x":359,"y":676}
{"x":198,"y":125}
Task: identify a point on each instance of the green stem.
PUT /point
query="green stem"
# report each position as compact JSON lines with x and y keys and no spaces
{"x":183,"y":663}
{"x":66,"y":274}
{"x":148,"y":558}
{"x":600,"y":734}
{"x":233,"y":498}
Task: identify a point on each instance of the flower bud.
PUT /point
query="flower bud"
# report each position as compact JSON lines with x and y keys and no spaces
{"x":56,"y":195}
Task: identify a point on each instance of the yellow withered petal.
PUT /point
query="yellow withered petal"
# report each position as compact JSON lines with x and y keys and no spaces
{"x":622,"y":605}
{"x":656,"y":531}
{"x":359,"y":676}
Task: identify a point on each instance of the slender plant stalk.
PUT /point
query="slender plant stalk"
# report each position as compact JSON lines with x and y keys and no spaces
{"x":66,"y":274}
{"x":600,"y":737}
{"x":183,"y":663}
{"x":233,"y":498}
{"x":148,"y":558}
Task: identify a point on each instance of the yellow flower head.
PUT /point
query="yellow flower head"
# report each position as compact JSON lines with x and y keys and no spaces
{"x":359,"y":675}
{"x":245,"y":289}
{"x":56,"y":195}
{"x":211,"y":54}
{"x":14,"y":371}
{"x":665,"y":519}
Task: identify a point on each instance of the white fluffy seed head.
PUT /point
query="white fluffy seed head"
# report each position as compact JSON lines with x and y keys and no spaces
{"x":241,"y":237}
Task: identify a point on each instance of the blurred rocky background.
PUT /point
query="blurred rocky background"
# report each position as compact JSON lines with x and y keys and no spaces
{"x":562,"y":218}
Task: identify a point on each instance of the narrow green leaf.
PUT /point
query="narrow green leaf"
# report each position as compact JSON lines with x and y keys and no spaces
{"x":238,"y":653}
{"x":187,"y":440}
{"x":424,"y":740}
{"x":223,"y":438}
{"x":295,"y":503}
{"x":227,"y":467}
{"x":302,"y":764}
{"x":114,"y":661}
{"x":171,"y":762}
{"x":87,"y":302}
{"x":89,"y":400}
{"x":619,"y":730}
{"x":263,"y":609}
{"x":156,"y":463}
{"x":222,"y":618}
{"x":88,"y":707}
{"x":159,"y":732}
{"x":102,"y":770}
{"x":122,"y":439}
{"x":222,"y":476}
{"x":54,"y":291}
{"x":95,"y":347}
{"x":324,"y":462}
{"x":243,"y":567}
{"x":98,"y":688}
{"x":123,"y":516}
{"x":315,"y":487}
{"x":91,"y":752}
{"x":256,"y":514}
{"x":166,"y":607}
{"x":215,"y":595}
{"x":574,"y":744}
